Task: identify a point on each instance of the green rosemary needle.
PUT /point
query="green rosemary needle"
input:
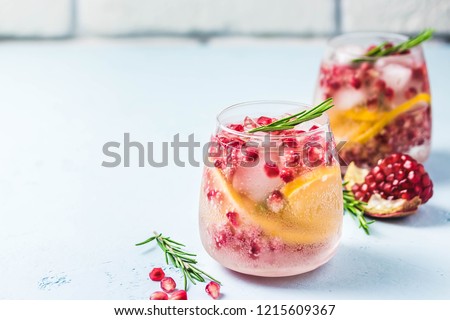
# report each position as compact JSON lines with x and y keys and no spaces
{"x":175,"y":254}
{"x":291,"y":121}
{"x":383,"y":50}
{"x":356,"y":209}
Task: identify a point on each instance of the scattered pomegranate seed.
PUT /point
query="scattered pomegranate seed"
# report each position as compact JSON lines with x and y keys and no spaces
{"x":213,"y":289}
{"x":178,"y":295}
{"x":287,"y":175}
{"x":236,"y":127}
{"x":168,"y":284}
{"x":159,"y":295}
{"x":271,"y":169}
{"x":264,"y":121}
{"x":233,"y":217}
{"x":314,"y":127}
{"x":157,"y":274}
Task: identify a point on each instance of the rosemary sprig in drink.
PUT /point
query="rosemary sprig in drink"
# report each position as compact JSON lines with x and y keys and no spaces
{"x":356,"y":208}
{"x":174,"y":253}
{"x":384,"y":49}
{"x":290,"y":122}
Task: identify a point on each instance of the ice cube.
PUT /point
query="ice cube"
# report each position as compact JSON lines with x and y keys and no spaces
{"x":254,"y":182}
{"x":249,"y":123}
{"x":345,"y":54}
{"x":348,"y":98}
{"x":396,"y":76}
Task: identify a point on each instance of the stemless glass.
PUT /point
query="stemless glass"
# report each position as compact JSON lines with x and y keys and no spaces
{"x":382,"y":105}
{"x":270,"y":203}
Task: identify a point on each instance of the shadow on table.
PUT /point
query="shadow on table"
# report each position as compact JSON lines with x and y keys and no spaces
{"x":354,"y":271}
{"x":438,"y":166}
{"x":427,"y":216}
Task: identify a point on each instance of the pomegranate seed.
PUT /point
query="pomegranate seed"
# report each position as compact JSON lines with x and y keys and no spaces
{"x":292,"y":158}
{"x":314,"y":127}
{"x":178,"y":295}
{"x":213,"y":289}
{"x":410,"y":93}
{"x":219,"y":164}
{"x":214,"y":194}
{"x":236,"y":127}
{"x":220,"y":239}
{"x":315,"y":154}
{"x":380,"y":85}
{"x":287,"y":175}
{"x":426,"y":181}
{"x":355,"y":82}
{"x":275,"y":201}
{"x":271,"y":169}
{"x":388,"y":45}
{"x":159,"y":295}
{"x":371,"y":47}
{"x":168,"y":284}
{"x":157,"y":274}
{"x":255,"y":249}
{"x":233,"y":217}
{"x":290,"y":142}
{"x":251,"y":154}
{"x":264,"y":121}
{"x":418,"y":73}
{"x":389,"y":93}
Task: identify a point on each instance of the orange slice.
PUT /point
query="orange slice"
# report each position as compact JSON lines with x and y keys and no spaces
{"x":307,"y":218}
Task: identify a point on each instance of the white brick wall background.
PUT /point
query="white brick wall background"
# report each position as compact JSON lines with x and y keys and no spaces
{"x":111,"y":18}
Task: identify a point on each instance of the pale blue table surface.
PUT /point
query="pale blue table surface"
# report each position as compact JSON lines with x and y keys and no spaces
{"x":68,"y":225}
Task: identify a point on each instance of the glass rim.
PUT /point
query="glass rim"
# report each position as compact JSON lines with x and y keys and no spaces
{"x":223,"y":126}
{"x":334,"y":41}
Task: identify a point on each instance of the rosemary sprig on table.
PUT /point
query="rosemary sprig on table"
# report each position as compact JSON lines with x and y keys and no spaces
{"x":383,"y":50}
{"x":290,"y":122}
{"x":356,"y":208}
{"x":174,"y":253}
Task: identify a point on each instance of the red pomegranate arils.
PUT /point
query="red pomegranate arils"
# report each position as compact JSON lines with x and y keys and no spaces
{"x":168,"y":284}
{"x":233,"y":217}
{"x":236,"y":127}
{"x":264,"y":121}
{"x":213,"y":289}
{"x":159,"y":295}
{"x":178,"y":295}
{"x":287,"y":175}
{"x":271,"y":169}
{"x":398,"y":176}
{"x":157,"y":274}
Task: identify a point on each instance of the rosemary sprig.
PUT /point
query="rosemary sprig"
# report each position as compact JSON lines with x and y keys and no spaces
{"x":175,"y":254}
{"x":356,"y":208}
{"x":290,"y":122}
{"x":382,"y":50}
